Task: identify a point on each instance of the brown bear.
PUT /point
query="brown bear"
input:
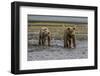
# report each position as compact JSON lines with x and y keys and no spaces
{"x":44,"y":35}
{"x":69,"y":38}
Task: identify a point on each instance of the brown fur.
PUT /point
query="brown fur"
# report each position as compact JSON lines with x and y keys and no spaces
{"x":44,"y":35}
{"x":69,"y":38}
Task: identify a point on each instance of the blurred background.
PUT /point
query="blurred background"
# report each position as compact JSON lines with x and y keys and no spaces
{"x":57,"y":30}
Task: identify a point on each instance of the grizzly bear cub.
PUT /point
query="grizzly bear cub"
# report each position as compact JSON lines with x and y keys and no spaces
{"x":44,"y":35}
{"x":69,"y":38}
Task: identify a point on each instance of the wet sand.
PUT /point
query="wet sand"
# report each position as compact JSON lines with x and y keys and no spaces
{"x":56,"y":51}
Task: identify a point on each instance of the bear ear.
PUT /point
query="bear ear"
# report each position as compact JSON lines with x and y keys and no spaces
{"x":74,"y":28}
{"x":68,"y":28}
